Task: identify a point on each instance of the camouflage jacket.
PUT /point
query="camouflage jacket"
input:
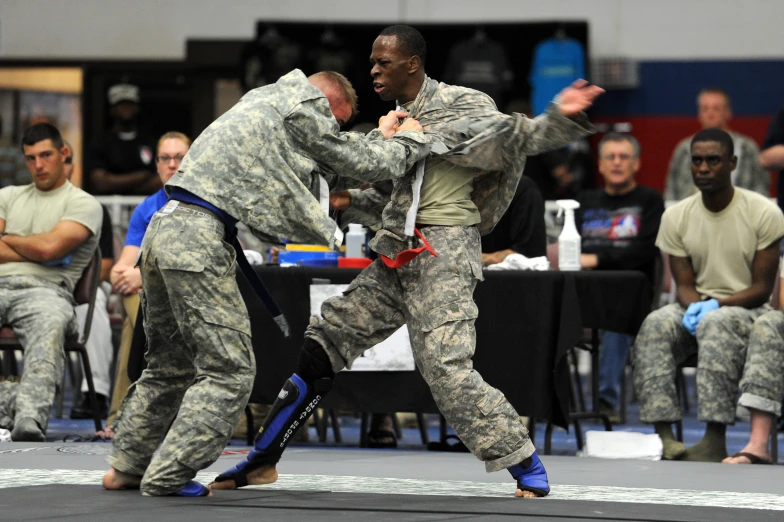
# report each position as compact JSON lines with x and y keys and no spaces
{"x":465,"y":128}
{"x":260,"y":161}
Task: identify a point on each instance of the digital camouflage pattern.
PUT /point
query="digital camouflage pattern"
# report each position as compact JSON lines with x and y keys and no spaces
{"x":41,"y":314}
{"x":200,"y":364}
{"x":749,"y":173}
{"x":260,"y":161}
{"x":762,"y":385}
{"x":663,"y":343}
{"x":466,"y":129}
{"x":8,"y":391}
{"x":434,"y":297}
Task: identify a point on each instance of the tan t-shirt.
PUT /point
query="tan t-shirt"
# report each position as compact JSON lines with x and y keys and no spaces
{"x":721,"y":245}
{"x":26,"y":210}
{"x":445,"y":197}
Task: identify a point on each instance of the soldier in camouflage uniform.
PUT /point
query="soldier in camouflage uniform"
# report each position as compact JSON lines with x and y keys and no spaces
{"x":260,"y":163}
{"x":762,"y":385}
{"x":723,"y":244}
{"x":49,"y":231}
{"x":479,"y":154}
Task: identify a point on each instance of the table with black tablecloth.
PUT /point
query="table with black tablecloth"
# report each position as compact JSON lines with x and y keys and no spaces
{"x":527,"y":323}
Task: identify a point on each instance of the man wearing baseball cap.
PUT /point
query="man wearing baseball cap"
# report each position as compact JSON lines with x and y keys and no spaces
{"x":121,"y":160}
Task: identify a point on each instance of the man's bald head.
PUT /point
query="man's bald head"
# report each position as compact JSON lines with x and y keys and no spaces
{"x":339,"y":92}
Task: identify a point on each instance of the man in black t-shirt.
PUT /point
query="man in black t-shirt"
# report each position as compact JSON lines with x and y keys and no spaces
{"x":772,"y":155}
{"x":121,"y":160}
{"x":618,"y":225}
{"x":521,"y":230}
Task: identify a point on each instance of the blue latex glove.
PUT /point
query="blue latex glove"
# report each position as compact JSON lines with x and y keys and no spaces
{"x":58,"y":262}
{"x":696,"y":312}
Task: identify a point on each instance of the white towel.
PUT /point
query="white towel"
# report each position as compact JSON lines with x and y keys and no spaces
{"x":520,"y":262}
{"x":622,"y":445}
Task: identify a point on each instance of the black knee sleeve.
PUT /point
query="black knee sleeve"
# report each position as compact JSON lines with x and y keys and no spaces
{"x":313,"y":362}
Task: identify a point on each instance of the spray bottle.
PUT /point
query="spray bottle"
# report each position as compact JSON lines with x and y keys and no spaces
{"x":569,"y":240}
{"x":355,"y":240}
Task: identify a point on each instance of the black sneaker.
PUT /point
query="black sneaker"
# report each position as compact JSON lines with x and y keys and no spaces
{"x":84,"y":411}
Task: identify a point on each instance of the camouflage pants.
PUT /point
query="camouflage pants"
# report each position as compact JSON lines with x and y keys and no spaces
{"x":41,"y":314}
{"x":200,"y":364}
{"x":8,"y":390}
{"x":434,"y":297}
{"x":663,"y":344}
{"x":762,"y":384}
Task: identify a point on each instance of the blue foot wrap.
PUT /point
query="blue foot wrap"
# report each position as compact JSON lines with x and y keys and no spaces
{"x":531,"y":476}
{"x":192,"y":489}
{"x":296,"y":402}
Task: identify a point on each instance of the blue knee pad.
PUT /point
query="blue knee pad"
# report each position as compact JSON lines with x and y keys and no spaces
{"x":532,"y":477}
{"x":192,"y":489}
{"x":296,"y":402}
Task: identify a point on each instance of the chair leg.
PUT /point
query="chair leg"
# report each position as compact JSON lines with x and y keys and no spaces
{"x":396,"y":426}
{"x":680,"y":382}
{"x":578,"y":380}
{"x":250,"y":432}
{"x":774,"y":442}
{"x":363,"y":429}
{"x":420,"y":417}
{"x":335,"y":426}
{"x":442,"y":428}
{"x":321,"y":427}
{"x":548,"y":438}
{"x":679,"y":430}
{"x":88,"y":375}
{"x":623,"y":398}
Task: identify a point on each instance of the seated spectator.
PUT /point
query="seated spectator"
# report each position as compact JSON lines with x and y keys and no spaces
{"x":521,"y":230}
{"x":618,"y":225}
{"x":762,"y":384}
{"x":49,"y":233}
{"x":120,"y":160}
{"x":99,"y":342}
{"x":125,"y":275}
{"x":723,"y":244}
{"x":714,"y":111}
{"x":772,"y":155}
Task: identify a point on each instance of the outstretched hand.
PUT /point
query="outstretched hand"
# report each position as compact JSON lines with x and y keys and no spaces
{"x":578,"y":97}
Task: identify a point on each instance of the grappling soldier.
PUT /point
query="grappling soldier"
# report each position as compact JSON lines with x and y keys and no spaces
{"x":259,"y":163}
{"x":430,"y":263}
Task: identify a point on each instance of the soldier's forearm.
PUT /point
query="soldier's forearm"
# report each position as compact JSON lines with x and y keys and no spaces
{"x":552,"y":130}
{"x":9,"y":255}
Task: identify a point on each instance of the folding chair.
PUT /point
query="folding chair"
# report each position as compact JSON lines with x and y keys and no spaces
{"x":84,"y":292}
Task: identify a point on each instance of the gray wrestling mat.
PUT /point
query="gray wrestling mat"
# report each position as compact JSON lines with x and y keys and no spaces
{"x":61,"y":481}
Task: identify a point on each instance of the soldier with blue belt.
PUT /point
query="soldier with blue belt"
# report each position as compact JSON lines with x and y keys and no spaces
{"x":260,"y":163}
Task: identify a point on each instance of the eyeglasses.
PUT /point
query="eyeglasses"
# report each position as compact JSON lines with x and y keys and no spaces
{"x":622,"y":157}
{"x":167,"y":159}
{"x":711,"y":160}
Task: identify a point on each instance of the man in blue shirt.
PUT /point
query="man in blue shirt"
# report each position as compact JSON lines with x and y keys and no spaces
{"x":125,"y":277}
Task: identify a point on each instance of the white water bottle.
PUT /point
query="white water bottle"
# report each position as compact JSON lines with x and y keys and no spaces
{"x":569,"y":241}
{"x":355,"y":240}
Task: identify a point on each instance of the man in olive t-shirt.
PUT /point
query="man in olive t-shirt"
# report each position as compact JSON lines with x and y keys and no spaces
{"x":723,"y":244}
{"x":48,"y":232}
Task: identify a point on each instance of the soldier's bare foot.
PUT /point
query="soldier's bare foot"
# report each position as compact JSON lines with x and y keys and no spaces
{"x":257,"y":477}
{"x":114,"y":479}
{"x":524,"y":494}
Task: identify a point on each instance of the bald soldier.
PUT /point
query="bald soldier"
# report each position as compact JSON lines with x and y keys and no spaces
{"x":260,"y":163}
